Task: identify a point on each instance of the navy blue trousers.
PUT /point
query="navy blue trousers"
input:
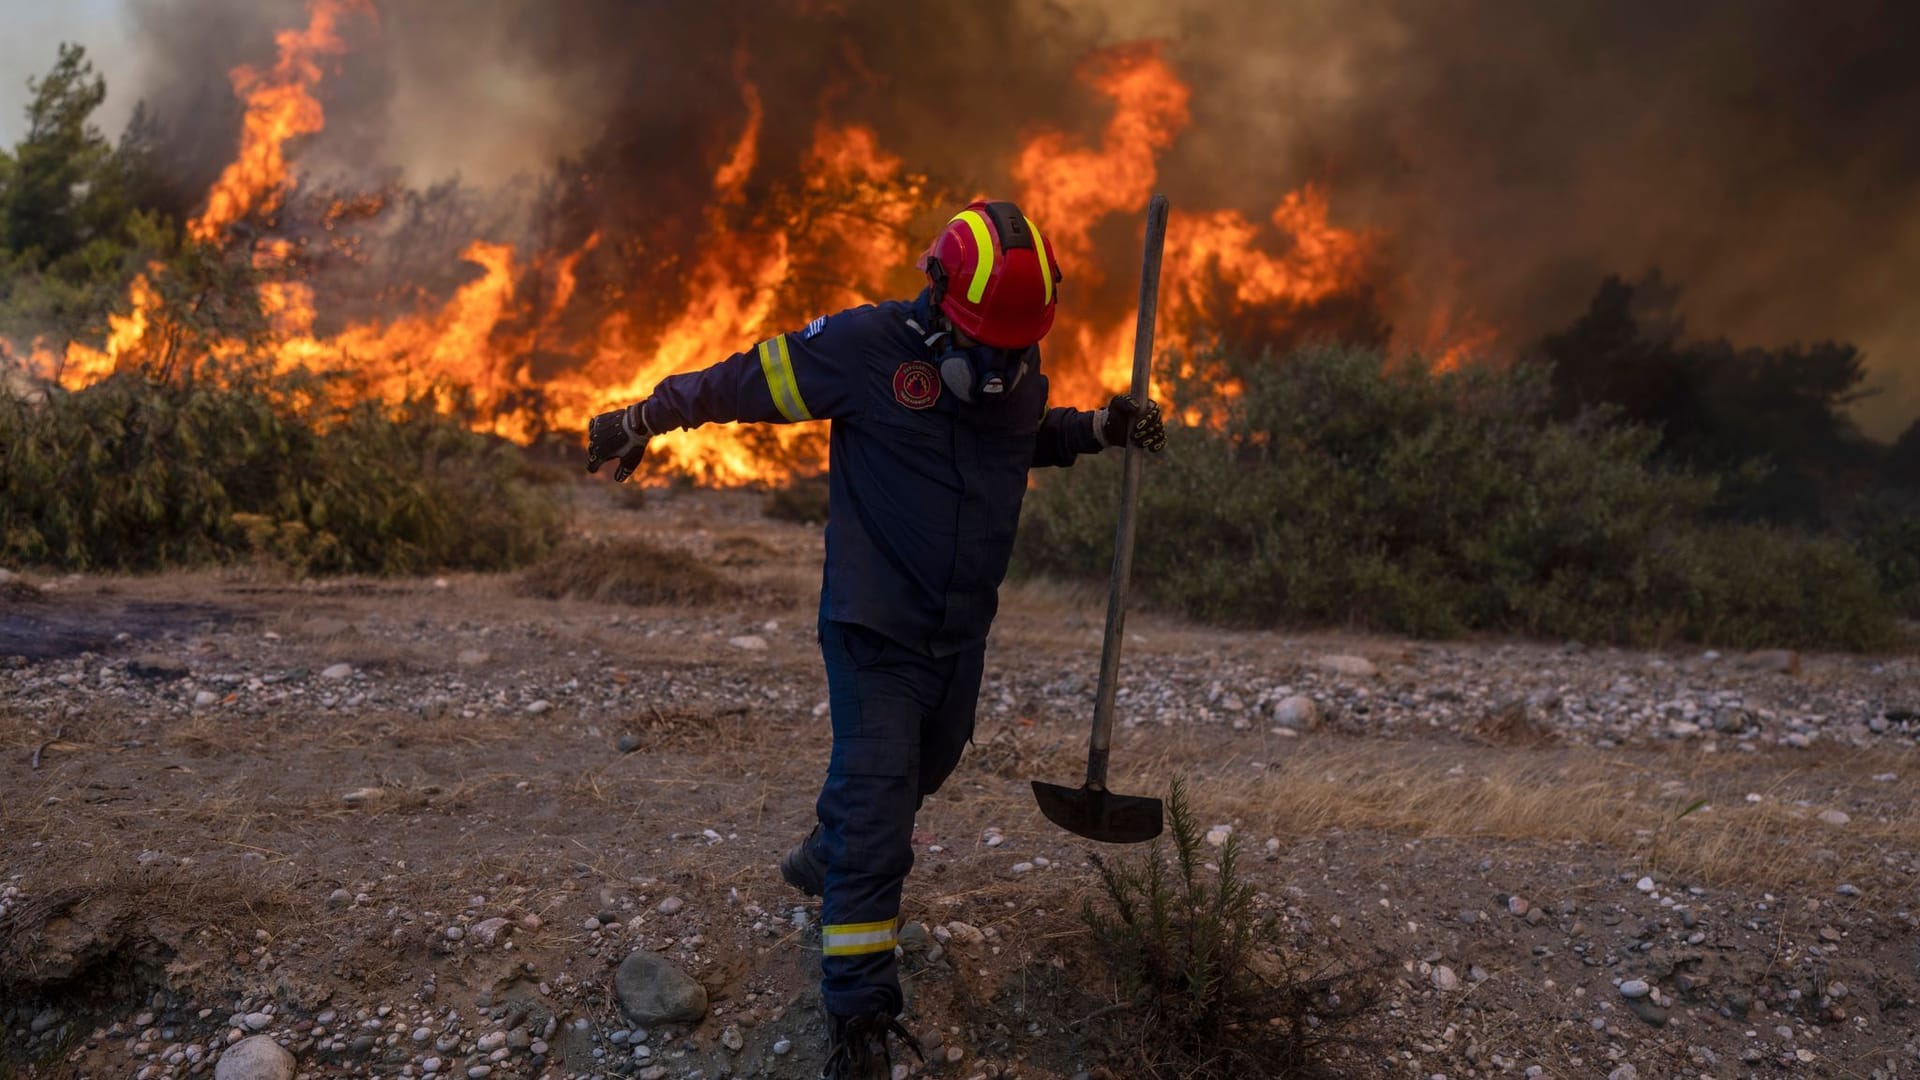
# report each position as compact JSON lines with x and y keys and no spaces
{"x":900,"y":722}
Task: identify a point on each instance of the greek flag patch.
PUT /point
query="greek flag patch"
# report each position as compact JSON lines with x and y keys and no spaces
{"x":813,"y":329}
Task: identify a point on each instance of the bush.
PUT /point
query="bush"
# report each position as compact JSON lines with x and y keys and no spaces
{"x":132,"y":474}
{"x":1886,"y":528}
{"x":1221,"y":996}
{"x":1338,"y":488}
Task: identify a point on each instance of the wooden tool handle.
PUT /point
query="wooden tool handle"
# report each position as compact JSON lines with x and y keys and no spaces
{"x":1129,"y":497}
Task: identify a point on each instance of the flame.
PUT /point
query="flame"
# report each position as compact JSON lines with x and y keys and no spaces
{"x":1068,"y":187}
{"x":835,"y":239}
{"x":1303,"y":260}
{"x":280,"y":107}
{"x":126,"y":334}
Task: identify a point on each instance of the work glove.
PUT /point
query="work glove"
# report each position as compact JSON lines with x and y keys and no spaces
{"x":618,"y":435}
{"x":1123,"y":421}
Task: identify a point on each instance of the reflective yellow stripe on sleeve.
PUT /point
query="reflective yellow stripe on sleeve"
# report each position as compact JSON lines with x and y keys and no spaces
{"x":1040,"y":249}
{"x":983,"y":243}
{"x":857,"y":939}
{"x":777,"y":364}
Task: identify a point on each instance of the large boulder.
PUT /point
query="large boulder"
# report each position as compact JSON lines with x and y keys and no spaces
{"x":654,"y":991}
{"x":254,"y":1058}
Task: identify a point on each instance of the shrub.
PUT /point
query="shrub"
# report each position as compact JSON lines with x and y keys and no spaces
{"x":1221,"y":996}
{"x":1886,"y":528}
{"x":132,"y":474}
{"x":1338,"y":488}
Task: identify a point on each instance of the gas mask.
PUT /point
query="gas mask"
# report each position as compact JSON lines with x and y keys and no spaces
{"x":981,"y":374}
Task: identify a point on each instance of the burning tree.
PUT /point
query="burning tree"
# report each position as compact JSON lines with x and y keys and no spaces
{"x":542,"y":327}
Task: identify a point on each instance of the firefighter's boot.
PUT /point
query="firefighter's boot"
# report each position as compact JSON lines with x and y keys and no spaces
{"x":857,"y":1047}
{"x":803,"y":868}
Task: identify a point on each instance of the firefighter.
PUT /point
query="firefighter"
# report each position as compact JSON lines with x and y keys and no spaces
{"x":938,"y":408}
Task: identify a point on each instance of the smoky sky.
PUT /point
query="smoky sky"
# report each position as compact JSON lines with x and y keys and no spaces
{"x":1508,"y":153}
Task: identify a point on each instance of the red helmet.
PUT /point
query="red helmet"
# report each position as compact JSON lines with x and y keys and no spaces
{"x":994,"y":275}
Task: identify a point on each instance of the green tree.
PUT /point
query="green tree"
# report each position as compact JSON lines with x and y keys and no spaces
{"x":53,"y":195}
{"x":74,"y":222}
{"x":1772,"y":422}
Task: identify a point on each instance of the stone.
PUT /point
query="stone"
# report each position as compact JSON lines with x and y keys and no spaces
{"x":535,"y":708}
{"x":1297,"y":713}
{"x":1624,"y":1072}
{"x":627,"y":743}
{"x":254,"y":1058}
{"x":1445,"y":979}
{"x":488,"y":932}
{"x":257,"y":1021}
{"x":732,"y":1039}
{"x":1358,"y":667}
{"x":1730,"y":721}
{"x":156,"y":668}
{"x":1835,"y":818}
{"x":749,"y":642}
{"x":204,"y":698}
{"x":472,"y":658}
{"x":1782,"y":661}
{"x":965,"y":933}
{"x":651,"y":990}
{"x":782,"y":1047}
{"x":337,"y":672}
{"x":671,"y":905}
{"x":1635,"y":988}
{"x":1646,"y":1009}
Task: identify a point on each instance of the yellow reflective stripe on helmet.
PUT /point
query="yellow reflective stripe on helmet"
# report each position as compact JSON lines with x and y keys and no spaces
{"x":777,"y":364}
{"x":1040,"y":248}
{"x":857,"y":939}
{"x":983,"y":242}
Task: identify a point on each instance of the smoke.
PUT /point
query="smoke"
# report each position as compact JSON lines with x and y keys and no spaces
{"x":1507,"y":153}
{"x":29,"y":38}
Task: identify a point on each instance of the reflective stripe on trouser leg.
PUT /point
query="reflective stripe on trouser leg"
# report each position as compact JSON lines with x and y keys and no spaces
{"x":858,"y":939}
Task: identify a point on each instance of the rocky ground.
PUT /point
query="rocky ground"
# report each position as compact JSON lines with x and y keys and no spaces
{"x":258,"y":828}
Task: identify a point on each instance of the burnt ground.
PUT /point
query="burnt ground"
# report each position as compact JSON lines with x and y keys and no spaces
{"x":402,"y":824}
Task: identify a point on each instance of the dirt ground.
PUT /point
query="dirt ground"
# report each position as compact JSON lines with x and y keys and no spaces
{"x":410,"y":827}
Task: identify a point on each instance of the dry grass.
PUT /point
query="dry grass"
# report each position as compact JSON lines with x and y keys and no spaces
{"x":116,"y":915}
{"x":625,"y":572}
{"x":803,"y":500}
{"x":1687,"y":817}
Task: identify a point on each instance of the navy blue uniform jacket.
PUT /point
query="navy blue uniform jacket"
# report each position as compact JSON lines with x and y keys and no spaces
{"x":925,"y":491}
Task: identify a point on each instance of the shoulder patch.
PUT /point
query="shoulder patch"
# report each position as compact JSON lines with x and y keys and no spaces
{"x":813,"y":329}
